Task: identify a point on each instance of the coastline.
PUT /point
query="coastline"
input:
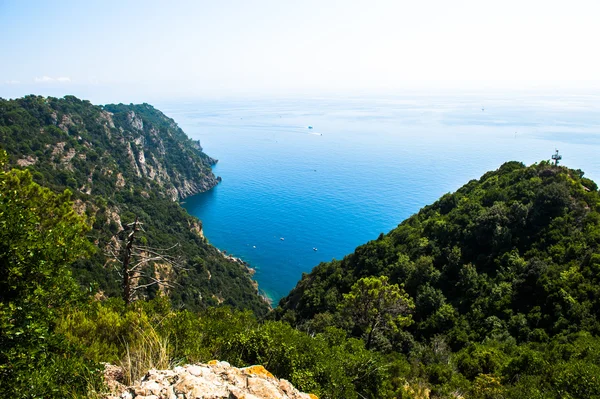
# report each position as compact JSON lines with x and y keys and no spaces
{"x":213,"y":182}
{"x":251,"y":271}
{"x":234,"y":259}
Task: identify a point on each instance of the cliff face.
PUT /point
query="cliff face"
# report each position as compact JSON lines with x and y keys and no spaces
{"x":124,"y":162}
{"x":159,"y":151}
{"x":116,"y":147}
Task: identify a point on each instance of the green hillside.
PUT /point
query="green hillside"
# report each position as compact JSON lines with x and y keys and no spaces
{"x":122,"y":162}
{"x":506,"y":267}
{"x":492,"y":292}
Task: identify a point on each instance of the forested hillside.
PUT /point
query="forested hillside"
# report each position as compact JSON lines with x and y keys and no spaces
{"x":122,"y":162}
{"x":500,"y":281}
{"x":492,"y":292}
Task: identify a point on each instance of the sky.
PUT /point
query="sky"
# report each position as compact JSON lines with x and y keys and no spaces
{"x":130,"y":51}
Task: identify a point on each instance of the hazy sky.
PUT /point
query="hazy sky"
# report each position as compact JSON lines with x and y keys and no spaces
{"x":120,"y":50}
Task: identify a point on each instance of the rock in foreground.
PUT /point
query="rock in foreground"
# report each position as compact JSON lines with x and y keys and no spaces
{"x":214,"y":380}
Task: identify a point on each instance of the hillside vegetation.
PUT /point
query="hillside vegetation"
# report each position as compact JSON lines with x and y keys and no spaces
{"x":503,"y":279}
{"x":491,"y":292}
{"x":53,"y":335}
{"x":121,"y":162}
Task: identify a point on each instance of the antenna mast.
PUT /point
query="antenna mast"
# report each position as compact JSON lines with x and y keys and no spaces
{"x":556,"y":157}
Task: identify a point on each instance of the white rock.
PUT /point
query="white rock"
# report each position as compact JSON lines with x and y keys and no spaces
{"x":153,"y":387}
{"x":197,"y":370}
{"x":178,"y":370}
{"x":171,"y":392}
{"x":215,"y":381}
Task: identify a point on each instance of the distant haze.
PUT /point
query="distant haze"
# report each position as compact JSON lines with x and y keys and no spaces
{"x":146,"y":50}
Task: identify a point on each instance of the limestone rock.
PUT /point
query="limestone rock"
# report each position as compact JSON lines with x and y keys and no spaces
{"x":215,"y":380}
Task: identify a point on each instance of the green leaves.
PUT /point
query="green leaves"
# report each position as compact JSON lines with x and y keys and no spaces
{"x":40,"y":236}
{"x":375,"y":305}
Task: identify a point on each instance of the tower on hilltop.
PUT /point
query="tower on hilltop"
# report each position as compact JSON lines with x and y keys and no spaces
{"x":556,"y":157}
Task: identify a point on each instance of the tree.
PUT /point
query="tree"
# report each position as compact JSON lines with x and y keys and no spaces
{"x":40,"y":236}
{"x":133,"y":262}
{"x":376,"y":305}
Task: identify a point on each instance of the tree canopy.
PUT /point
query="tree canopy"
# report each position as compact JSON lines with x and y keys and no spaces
{"x":374,"y":305}
{"x":40,"y":236}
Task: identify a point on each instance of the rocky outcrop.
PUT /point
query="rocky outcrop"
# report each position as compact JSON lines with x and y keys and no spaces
{"x":140,"y":144}
{"x":196,"y":227}
{"x":135,"y":121}
{"x":190,"y":187}
{"x":215,"y":380}
{"x":27,"y":161}
{"x":158,"y":151}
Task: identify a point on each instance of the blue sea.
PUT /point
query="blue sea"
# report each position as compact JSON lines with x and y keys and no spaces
{"x":293,"y":196}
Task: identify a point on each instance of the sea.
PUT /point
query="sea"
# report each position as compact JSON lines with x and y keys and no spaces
{"x":308,"y":179}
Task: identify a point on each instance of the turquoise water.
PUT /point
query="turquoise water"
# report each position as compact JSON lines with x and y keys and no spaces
{"x":365,"y":166}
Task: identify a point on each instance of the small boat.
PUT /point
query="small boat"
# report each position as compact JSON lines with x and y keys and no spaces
{"x":314,"y":249}
{"x":282,"y":238}
{"x":310,"y":127}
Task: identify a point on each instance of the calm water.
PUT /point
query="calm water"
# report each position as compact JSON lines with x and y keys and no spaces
{"x":366,"y":165}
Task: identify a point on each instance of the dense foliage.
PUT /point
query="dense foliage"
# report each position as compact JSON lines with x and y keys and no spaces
{"x":328,"y":364}
{"x":40,"y":235}
{"x":504,"y":274}
{"x":122,"y":162}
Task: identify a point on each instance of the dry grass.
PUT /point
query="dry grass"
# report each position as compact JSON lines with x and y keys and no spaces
{"x":149,"y":350}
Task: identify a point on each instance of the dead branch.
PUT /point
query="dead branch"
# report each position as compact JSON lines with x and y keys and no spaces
{"x":132,"y":261}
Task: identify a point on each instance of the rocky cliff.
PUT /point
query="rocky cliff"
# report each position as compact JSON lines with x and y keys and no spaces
{"x":112,"y":147}
{"x":124,"y":162}
{"x":215,"y":380}
{"x":159,"y":151}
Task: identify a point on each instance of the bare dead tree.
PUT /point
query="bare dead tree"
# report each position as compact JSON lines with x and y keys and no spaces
{"x":133,"y":262}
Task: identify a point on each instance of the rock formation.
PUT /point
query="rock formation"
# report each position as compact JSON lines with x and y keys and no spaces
{"x":214,"y":380}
